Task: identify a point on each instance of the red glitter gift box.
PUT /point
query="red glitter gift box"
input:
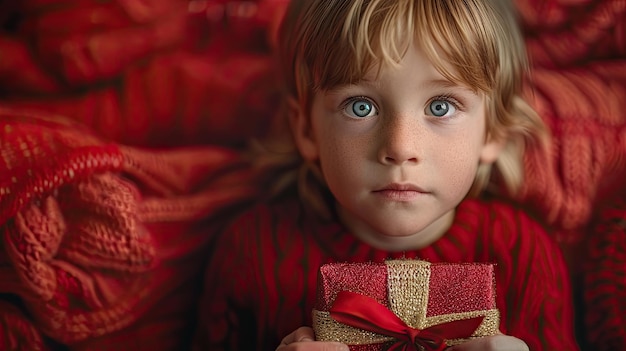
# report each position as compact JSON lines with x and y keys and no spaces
{"x":405,"y":304}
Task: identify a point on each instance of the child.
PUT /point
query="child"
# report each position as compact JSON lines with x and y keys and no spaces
{"x":399,"y":109}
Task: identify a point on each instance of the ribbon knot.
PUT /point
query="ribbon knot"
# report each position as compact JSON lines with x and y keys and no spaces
{"x":364,"y":312}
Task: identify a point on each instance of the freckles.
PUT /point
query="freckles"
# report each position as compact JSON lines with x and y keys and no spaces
{"x":335,"y":154}
{"x":335,"y":150}
{"x":459,"y":177}
{"x":344,"y":148}
{"x":461,"y":163}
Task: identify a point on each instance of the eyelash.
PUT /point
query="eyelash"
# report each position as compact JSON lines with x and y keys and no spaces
{"x":448,"y":98}
{"x":355,"y":98}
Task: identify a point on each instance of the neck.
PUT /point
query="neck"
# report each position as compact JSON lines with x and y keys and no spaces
{"x":381,"y":241}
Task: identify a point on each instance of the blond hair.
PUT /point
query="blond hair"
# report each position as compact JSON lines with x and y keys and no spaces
{"x":328,"y":43}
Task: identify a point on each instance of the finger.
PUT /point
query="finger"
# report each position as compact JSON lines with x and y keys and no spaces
{"x":313,"y":346}
{"x":300,"y":334}
{"x":302,"y":339}
{"x":492,"y":343}
{"x":303,"y":334}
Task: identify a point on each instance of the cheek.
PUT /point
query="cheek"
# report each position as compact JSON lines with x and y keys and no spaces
{"x":460,"y":159}
{"x":341,"y":160}
{"x":335,"y":155}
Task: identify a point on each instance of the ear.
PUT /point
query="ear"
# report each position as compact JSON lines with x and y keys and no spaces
{"x":493,"y":148}
{"x":302,"y":131}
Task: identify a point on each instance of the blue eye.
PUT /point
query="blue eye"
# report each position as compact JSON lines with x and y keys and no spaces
{"x":440,"y":108}
{"x":360,"y":107}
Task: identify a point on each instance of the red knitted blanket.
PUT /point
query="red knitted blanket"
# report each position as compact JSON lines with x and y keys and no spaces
{"x":95,"y":235}
{"x":100,"y":244}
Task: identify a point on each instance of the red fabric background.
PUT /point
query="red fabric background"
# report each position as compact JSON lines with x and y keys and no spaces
{"x":605,"y":279}
{"x":155,"y":98}
{"x":103,"y":244}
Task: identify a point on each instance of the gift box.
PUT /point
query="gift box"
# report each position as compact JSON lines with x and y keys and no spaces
{"x":405,"y":304}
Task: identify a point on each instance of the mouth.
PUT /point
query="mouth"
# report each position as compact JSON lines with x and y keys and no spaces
{"x":402,"y":187}
{"x":401,"y":192}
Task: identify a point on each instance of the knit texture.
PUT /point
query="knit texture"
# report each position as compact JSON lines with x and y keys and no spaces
{"x":583,"y":107}
{"x":143,"y":73}
{"x":261,"y":280}
{"x":87,"y":213}
{"x":95,"y":235}
{"x":577,"y":51}
{"x":605,"y":278}
{"x":16,"y":331}
{"x":199,"y":72}
{"x":563,"y":33}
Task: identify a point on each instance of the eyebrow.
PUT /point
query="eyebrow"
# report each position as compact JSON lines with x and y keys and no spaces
{"x":431,"y":83}
{"x":435,"y":82}
{"x":445,"y":83}
{"x":372,"y":83}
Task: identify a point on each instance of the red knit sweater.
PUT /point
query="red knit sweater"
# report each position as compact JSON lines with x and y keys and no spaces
{"x":260,"y":283}
{"x":605,"y":278}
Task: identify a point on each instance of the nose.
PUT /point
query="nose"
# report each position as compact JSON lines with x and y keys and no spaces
{"x":399,"y":141}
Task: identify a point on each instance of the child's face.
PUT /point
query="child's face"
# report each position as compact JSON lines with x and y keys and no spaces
{"x":398,"y":151}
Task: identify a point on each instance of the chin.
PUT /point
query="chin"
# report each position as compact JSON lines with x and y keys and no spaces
{"x":400,"y":232}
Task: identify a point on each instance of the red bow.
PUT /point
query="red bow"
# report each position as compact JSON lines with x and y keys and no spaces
{"x":366,"y":313}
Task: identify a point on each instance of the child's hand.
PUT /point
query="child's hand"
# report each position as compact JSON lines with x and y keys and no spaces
{"x":492,"y":343}
{"x":303,"y":338}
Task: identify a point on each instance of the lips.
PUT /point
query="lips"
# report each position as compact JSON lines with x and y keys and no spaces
{"x":402,"y":187}
{"x":401,"y":192}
